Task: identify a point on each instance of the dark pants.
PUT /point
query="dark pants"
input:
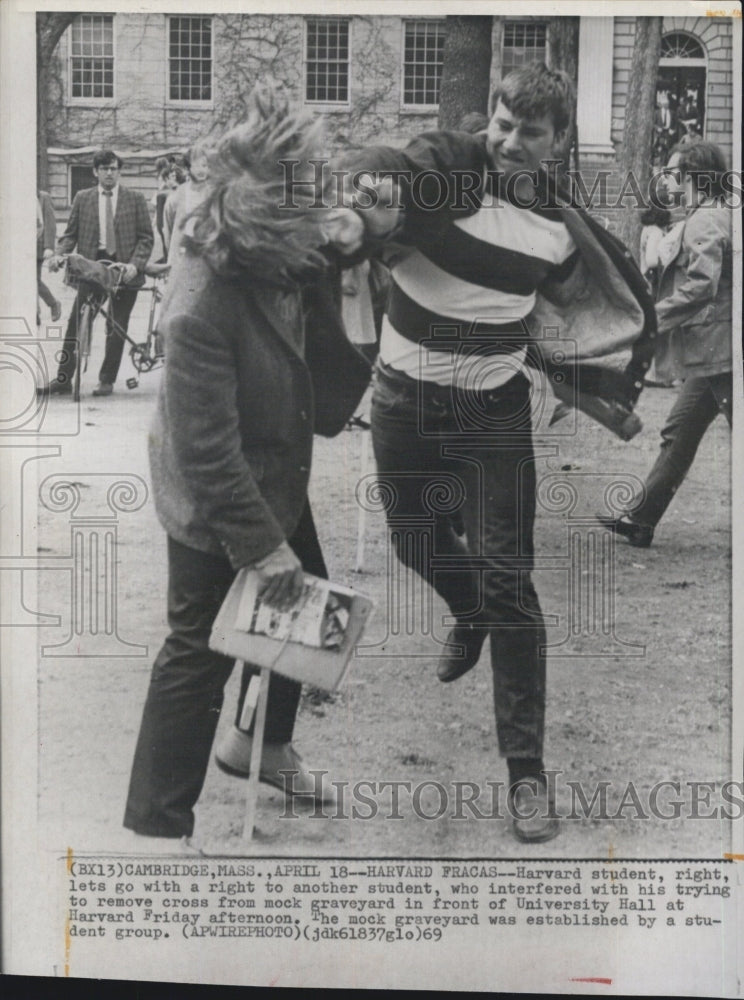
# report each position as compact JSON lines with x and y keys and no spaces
{"x":186,"y":690}
{"x":122,"y":305}
{"x":45,"y":294}
{"x":432,"y":443}
{"x":700,"y":400}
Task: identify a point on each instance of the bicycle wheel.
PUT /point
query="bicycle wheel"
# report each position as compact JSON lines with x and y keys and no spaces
{"x":85,"y":329}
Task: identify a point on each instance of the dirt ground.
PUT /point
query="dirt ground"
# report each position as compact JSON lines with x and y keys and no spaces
{"x":649,"y":703}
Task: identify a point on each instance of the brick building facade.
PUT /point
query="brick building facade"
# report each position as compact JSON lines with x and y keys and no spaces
{"x":148,"y":84}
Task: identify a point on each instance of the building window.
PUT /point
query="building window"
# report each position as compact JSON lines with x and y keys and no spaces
{"x":678,"y":45}
{"x":190,"y":58}
{"x":523,"y":42}
{"x":423,"y":49}
{"x":92,"y":56}
{"x":327,"y":60}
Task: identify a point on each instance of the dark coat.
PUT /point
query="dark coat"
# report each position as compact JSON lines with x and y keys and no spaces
{"x":231,"y":442}
{"x":134,"y":238}
{"x":600,"y":306}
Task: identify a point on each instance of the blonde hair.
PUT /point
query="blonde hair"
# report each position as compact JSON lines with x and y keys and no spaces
{"x":251,"y":220}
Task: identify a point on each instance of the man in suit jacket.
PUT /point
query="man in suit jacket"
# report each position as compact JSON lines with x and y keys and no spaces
{"x":107,"y":222}
{"x":45,"y":240}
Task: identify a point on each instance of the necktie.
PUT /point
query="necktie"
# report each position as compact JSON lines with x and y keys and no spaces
{"x":110,"y":239}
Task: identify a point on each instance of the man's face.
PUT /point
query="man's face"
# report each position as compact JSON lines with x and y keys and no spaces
{"x":107,"y":175}
{"x":516,"y":144}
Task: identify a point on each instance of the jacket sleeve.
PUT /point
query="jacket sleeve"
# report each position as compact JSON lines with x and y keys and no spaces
{"x":435,"y":175}
{"x":703,"y":242}
{"x":143,"y":233}
{"x":201,"y":390}
{"x":68,"y":240}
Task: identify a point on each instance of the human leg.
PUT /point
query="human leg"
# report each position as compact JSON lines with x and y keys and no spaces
{"x":414,"y":475}
{"x":122,"y":304}
{"x":696,"y":407}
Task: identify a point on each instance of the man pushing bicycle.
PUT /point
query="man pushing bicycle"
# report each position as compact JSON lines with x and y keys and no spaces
{"x":107,"y":222}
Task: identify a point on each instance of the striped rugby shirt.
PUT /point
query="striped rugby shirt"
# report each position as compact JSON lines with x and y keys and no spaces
{"x":457,"y":305}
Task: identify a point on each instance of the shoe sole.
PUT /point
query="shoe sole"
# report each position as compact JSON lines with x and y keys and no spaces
{"x":635,"y":542}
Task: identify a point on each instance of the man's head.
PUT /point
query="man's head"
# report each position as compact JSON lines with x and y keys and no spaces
{"x":106,"y":167}
{"x":695,"y":171}
{"x":532,"y":110}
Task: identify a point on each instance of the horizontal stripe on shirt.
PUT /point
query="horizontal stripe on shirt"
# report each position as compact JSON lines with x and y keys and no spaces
{"x":416,"y":323}
{"x":462,"y":366}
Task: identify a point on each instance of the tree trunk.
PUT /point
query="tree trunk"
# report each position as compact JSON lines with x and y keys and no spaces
{"x":49,"y":30}
{"x":466,"y":69}
{"x":635,"y":155}
{"x":563,"y":42}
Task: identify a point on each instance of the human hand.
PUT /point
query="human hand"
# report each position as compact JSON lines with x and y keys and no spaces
{"x":54,"y":262}
{"x":343,"y":229}
{"x":128,"y":273}
{"x":281,"y":577}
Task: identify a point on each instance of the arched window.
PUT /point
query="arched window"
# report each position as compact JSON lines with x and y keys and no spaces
{"x":679,"y":45}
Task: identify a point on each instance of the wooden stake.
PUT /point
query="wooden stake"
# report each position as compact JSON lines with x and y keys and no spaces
{"x":257,"y":695}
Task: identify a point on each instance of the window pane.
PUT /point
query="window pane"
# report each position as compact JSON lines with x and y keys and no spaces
{"x":327,"y":66}
{"x":190,"y":58}
{"x":423,"y":50}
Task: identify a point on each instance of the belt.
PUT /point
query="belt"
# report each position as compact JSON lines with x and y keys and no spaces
{"x":444,"y":395}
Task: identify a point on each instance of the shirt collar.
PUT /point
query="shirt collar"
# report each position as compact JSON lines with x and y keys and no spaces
{"x":114,"y":190}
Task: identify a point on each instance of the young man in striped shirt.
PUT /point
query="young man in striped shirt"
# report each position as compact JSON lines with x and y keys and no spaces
{"x":451,"y":414}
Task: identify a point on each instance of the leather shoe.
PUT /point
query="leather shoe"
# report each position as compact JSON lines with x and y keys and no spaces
{"x":533,"y":818}
{"x":103,"y":389}
{"x":468,"y":643}
{"x":281,"y":766}
{"x":640,"y":535}
{"x":55,"y":388}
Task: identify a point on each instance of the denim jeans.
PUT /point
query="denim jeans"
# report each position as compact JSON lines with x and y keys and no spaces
{"x":444,"y":456}
{"x":184,"y":699}
{"x":700,"y":400}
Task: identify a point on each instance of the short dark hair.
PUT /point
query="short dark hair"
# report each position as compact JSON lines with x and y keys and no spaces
{"x":706,"y":164}
{"x":105,"y":157}
{"x":533,"y":91}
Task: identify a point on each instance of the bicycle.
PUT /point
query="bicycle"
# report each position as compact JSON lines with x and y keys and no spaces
{"x":149,"y":354}
{"x":94,"y":278}
{"x":101,"y":280}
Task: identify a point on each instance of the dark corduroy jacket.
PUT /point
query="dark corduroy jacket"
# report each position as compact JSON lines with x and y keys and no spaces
{"x":252,"y":371}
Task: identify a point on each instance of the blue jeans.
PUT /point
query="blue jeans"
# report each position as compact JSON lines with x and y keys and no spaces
{"x":700,"y":400}
{"x":445,"y":456}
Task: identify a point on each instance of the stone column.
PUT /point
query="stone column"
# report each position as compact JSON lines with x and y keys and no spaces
{"x":594,"y":98}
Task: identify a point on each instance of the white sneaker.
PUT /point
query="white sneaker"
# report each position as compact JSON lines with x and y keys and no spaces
{"x":281,"y":766}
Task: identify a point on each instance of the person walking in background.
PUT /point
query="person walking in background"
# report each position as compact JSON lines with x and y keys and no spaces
{"x":46,"y":239}
{"x":694,"y":313}
{"x":183,"y":199}
{"x":107,"y":222}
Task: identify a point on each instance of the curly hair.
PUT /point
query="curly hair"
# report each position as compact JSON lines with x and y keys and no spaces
{"x":251,"y":220}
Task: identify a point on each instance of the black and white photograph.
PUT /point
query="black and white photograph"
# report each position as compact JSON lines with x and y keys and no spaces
{"x":441,"y":304}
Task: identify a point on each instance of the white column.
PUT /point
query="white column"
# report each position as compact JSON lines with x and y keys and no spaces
{"x":594,"y":98}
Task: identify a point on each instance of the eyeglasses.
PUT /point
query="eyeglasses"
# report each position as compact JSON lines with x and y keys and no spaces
{"x":109,"y":170}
